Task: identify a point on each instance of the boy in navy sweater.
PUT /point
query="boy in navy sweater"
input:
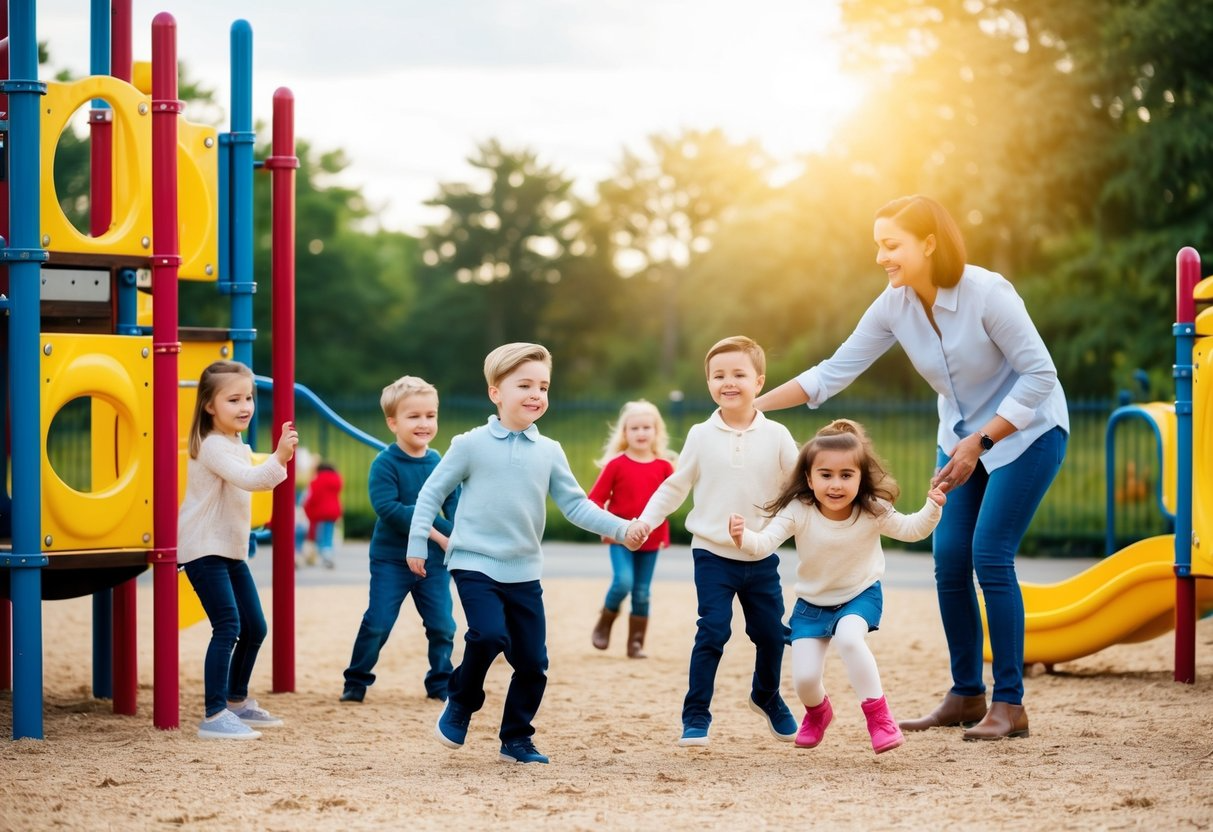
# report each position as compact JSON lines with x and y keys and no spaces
{"x":410,"y":406}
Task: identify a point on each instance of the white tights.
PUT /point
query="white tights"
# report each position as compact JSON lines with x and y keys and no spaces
{"x":809,"y":656}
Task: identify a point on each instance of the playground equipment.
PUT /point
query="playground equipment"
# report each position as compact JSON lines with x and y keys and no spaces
{"x":1166,"y":581}
{"x":165,"y":195}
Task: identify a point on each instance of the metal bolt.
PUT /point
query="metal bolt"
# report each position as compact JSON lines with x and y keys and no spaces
{"x":145,"y":241}
{"x":209,"y":141}
{"x":147,"y":538}
{"x":210,"y":270}
{"x":223,"y":351}
{"x":143,"y":108}
{"x":46,"y":240}
{"x":144,"y":352}
{"x":46,"y":349}
{"x":48,"y":540}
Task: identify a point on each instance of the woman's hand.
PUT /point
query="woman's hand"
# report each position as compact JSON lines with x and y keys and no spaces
{"x":960,"y":467}
{"x":287,"y":443}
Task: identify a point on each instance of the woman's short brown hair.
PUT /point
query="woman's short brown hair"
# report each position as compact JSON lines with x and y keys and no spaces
{"x":922,"y":217}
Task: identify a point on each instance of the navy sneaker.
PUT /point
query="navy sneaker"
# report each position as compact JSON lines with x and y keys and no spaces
{"x":353,"y":694}
{"x":521,"y":751}
{"x":779,"y":719}
{"x":452,"y":727}
{"x":695,"y":732}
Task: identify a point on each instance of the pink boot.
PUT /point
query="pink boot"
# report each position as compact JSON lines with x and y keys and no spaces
{"x":813,"y":728}
{"x":885,"y":734}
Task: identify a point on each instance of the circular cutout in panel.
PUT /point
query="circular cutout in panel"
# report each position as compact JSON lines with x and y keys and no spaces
{"x":69,"y":444}
{"x":73,"y":169}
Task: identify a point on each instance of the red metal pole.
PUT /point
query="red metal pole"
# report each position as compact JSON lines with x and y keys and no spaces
{"x":126,"y":614}
{"x":282,"y":165}
{"x":120,"y":39}
{"x":166,"y":260}
{"x":1187,"y":275}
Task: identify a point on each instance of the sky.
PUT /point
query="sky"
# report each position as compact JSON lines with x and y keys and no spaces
{"x":408,"y":88}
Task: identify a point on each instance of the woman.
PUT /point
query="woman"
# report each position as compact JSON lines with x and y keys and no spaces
{"x":1002,"y":436}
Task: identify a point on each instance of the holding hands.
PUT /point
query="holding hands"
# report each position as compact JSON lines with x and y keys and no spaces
{"x":936,"y":494}
{"x":637,"y":534}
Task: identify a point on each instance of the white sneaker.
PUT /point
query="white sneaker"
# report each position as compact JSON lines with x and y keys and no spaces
{"x":226,"y":726}
{"x":250,"y":713}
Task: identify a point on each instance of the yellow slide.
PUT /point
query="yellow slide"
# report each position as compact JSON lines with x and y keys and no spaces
{"x":1127,"y":597}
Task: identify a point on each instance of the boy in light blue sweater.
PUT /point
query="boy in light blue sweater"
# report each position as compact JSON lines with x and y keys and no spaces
{"x":506,"y":470}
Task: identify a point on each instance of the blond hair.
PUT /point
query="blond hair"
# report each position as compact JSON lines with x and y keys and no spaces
{"x":213,"y":379}
{"x":617,"y":441}
{"x":401,"y":389}
{"x":509,"y":357}
{"x":742,"y":344}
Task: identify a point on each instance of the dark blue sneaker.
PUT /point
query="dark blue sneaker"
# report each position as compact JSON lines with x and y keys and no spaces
{"x":452,"y":727}
{"x":779,"y":719}
{"x":353,"y":694}
{"x":695,"y":732}
{"x":521,"y":751}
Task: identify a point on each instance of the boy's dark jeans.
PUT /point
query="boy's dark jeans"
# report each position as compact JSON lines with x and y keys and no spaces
{"x":756,"y":584}
{"x":391,"y":581}
{"x":228,"y":595}
{"x":502,"y":618}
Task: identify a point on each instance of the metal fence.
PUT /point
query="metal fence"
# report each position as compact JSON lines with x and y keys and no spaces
{"x":1072,"y":520}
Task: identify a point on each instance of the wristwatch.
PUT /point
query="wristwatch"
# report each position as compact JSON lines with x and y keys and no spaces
{"x":986,"y":441}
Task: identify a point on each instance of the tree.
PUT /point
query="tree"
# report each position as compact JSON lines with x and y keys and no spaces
{"x":662,"y":211}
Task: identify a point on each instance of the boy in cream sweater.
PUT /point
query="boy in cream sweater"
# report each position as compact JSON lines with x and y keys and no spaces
{"x":736,"y":459}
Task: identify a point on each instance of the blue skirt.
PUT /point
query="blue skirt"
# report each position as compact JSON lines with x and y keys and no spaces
{"x":811,"y":621}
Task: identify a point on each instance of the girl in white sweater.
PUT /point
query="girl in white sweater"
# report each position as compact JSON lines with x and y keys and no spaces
{"x":837,"y":502}
{"x":212,"y":543}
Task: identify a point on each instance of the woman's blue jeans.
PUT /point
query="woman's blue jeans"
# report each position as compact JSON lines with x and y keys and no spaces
{"x":631,"y":572}
{"x":979,"y":533}
{"x":228,"y":595}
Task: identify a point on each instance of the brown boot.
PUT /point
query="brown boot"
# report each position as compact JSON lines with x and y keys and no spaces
{"x":601,"y":636}
{"x":637,"y":624}
{"x":952,"y":711}
{"x":1002,"y":720}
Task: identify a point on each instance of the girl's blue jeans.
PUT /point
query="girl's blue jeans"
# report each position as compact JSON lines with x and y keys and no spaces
{"x":324,"y":537}
{"x":631,"y":572}
{"x":979,"y":533}
{"x":228,"y":595}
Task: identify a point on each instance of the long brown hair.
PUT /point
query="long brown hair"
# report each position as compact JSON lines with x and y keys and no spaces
{"x":875,"y":482}
{"x":212,"y":380}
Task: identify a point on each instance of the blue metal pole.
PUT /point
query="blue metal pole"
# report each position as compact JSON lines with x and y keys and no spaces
{"x":240,"y":182}
{"x":24,"y":256}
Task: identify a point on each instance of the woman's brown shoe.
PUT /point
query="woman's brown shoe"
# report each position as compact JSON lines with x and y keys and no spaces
{"x":952,"y":711}
{"x":1002,"y":720}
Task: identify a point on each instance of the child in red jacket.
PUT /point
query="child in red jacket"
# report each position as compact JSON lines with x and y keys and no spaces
{"x":322,"y":505}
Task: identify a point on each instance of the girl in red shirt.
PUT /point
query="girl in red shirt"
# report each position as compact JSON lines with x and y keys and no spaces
{"x":635,"y":461}
{"x":322,"y":505}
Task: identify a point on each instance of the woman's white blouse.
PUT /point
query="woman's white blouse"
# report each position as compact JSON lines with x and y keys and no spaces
{"x":988,"y":359}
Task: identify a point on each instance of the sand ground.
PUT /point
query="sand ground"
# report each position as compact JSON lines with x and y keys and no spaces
{"x":1115,"y":743}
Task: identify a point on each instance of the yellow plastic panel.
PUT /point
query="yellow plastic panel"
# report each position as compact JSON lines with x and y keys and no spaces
{"x":198,"y":201}
{"x":115,"y":370}
{"x":1162,"y":414}
{"x":132,"y":195}
{"x":1202,"y":453}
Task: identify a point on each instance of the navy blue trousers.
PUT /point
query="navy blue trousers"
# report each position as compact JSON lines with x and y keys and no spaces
{"x":509,"y":619}
{"x":756,"y":585}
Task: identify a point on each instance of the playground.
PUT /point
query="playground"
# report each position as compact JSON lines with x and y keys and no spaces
{"x":1115,"y":742}
{"x":1120,"y":650}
